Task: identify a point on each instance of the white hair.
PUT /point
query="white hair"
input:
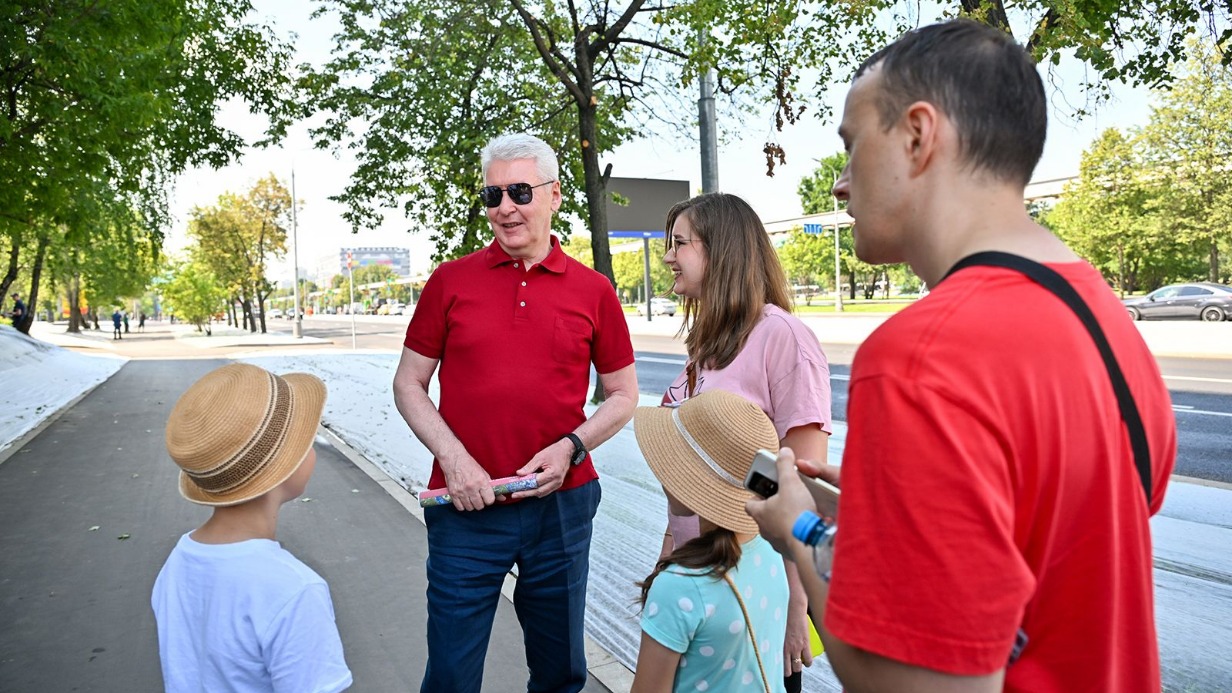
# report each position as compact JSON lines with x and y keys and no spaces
{"x":522,"y":146}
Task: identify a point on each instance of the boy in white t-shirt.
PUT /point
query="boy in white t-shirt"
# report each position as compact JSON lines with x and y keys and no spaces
{"x":235,"y":611}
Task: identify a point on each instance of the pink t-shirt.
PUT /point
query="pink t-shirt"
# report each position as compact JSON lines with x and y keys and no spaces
{"x":780,"y":369}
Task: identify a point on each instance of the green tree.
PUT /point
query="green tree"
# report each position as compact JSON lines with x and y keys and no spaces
{"x":808,"y":260}
{"x":1107,"y":216}
{"x":105,"y":102}
{"x":1190,"y":137}
{"x":416,"y":95}
{"x":238,"y":237}
{"x":581,"y":75}
{"x":630,"y":271}
{"x":193,"y":294}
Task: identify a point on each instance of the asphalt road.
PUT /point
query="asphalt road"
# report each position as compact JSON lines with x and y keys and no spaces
{"x":1201,"y":388}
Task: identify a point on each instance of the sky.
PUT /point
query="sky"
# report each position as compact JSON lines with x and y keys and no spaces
{"x":321,"y":230}
{"x":1190,"y":534}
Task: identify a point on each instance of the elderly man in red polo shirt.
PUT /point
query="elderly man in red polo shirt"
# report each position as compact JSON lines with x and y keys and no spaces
{"x":514,"y":329}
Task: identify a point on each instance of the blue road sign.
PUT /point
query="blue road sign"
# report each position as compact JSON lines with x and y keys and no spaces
{"x":638,"y":234}
{"x":812,"y":228}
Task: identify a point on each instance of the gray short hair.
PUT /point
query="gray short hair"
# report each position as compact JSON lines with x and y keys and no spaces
{"x":522,"y":146}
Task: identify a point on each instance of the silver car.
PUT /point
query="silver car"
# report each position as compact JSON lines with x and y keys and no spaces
{"x":1197,"y":301}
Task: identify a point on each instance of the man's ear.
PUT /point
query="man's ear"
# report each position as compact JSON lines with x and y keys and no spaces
{"x":923,"y":124}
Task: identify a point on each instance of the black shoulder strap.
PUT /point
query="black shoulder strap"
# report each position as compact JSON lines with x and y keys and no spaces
{"x":1055,"y":283}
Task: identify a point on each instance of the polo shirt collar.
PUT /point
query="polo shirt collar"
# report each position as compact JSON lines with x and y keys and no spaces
{"x":554,"y":262}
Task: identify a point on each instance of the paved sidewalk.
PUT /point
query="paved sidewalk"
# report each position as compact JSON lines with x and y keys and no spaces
{"x":89,"y":511}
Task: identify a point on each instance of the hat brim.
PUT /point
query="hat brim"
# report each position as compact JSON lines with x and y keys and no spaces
{"x":308,"y":397}
{"x":686,"y":476}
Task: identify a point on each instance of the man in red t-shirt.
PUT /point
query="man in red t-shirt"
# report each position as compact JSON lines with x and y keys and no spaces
{"x":514,"y":329}
{"x":994,"y":528}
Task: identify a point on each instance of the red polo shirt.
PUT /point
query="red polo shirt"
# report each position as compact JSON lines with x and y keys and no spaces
{"x":515,"y":349}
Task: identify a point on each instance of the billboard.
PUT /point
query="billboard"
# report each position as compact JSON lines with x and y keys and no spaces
{"x":397,"y":259}
{"x":649,"y":200}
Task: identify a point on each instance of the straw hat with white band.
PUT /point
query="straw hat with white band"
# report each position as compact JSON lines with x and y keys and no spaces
{"x":240,"y":431}
{"x":701,"y":451}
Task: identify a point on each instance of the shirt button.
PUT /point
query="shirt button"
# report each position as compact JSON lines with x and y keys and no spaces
{"x":515,"y":264}
{"x":523,"y":304}
{"x":523,"y":283}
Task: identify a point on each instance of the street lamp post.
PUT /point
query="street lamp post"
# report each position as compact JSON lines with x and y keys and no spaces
{"x":838,"y":265}
{"x":297,"y":327}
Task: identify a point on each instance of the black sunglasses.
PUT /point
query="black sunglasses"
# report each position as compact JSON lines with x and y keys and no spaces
{"x":520,"y":193}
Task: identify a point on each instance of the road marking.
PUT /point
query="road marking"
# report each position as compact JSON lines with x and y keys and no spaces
{"x":1191,"y":410}
{"x":1198,"y":380}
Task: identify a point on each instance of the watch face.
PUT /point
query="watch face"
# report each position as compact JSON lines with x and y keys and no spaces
{"x":578,"y":456}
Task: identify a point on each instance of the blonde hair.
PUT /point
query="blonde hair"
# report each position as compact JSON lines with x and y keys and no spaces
{"x":743,"y":274}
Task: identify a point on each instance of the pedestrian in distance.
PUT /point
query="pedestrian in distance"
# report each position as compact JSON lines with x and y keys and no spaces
{"x":514,"y":329}
{"x":235,"y":610}
{"x":141,"y":321}
{"x":713,"y":609}
{"x":19,"y":310}
{"x":741,"y":337}
{"x":117,"y":321}
{"x":999,"y":474}
{"x":125,"y":322}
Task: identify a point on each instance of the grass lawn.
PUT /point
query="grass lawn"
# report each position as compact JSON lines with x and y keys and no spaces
{"x":860,"y":306}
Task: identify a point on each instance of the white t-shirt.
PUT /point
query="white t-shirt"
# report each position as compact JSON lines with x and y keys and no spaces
{"x":246,"y":616}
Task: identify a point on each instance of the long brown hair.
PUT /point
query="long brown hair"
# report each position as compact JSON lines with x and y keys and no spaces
{"x":743,"y":274}
{"x":716,"y":549}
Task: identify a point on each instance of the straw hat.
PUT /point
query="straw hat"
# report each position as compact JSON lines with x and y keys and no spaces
{"x":240,"y":431}
{"x":702,"y":450}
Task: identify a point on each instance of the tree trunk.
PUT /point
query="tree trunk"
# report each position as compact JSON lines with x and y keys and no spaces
{"x":596,"y":192}
{"x":11,"y":274}
{"x":73,"y":293}
{"x":36,"y":272}
{"x":1214,"y":261}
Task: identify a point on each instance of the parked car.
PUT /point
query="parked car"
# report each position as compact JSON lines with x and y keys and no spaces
{"x":1196,"y":301}
{"x":658,"y":306}
{"x":390,"y":308}
{"x":273,"y":313}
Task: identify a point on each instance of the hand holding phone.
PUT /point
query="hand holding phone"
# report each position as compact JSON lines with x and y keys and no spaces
{"x":762,"y":479}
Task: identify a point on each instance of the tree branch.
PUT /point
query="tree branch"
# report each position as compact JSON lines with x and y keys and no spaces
{"x":1041,"y":29}
{"x":990,"y":12}
{"x":652,"y":45}
{"x":549,"y":55}
{"x":613,"y":32}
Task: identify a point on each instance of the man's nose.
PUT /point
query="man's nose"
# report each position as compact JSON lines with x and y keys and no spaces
{"x":842,"y":186}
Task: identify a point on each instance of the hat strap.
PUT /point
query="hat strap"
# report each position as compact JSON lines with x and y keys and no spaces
{"x":705,"y":457}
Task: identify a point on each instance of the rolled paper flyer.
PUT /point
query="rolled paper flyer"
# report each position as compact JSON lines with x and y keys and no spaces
{"x":501,"y":487}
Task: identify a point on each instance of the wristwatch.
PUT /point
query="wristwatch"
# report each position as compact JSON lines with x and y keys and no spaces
{"x":579,"y":450}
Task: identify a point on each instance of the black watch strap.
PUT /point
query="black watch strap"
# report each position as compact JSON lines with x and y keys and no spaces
{"x":579,"y":450}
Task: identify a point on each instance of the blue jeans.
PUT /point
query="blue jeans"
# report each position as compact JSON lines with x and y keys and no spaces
{"x":469,"y":554}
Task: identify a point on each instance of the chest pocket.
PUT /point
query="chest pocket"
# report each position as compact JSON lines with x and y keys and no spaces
{"x":571,"y":338}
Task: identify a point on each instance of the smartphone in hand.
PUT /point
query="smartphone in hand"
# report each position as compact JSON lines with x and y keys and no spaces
{"x":763,"y":479}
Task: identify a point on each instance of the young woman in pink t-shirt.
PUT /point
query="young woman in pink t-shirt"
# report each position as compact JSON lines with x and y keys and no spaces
{"x":741,"y":337}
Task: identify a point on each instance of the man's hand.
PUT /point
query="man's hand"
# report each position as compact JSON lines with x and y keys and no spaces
{"x":776,"y":515}
{"x":470,"y":486}
{"x":549,"y":465}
